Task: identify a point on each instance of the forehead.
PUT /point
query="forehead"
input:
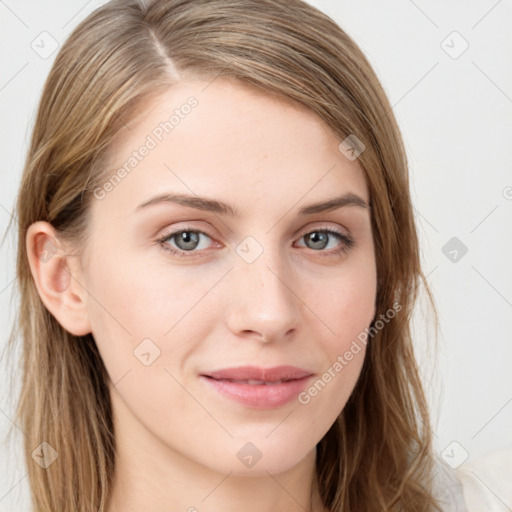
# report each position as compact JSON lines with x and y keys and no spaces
{"x":231,"y":141}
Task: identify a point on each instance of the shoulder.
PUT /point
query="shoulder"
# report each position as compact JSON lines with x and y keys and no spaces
{"x":480,"y":485}
{"x":487,"y":482}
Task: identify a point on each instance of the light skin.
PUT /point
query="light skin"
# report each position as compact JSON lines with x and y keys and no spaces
{"x":298,"y":303}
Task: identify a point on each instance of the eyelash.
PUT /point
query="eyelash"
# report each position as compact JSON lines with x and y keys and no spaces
{"x":347,"y":244}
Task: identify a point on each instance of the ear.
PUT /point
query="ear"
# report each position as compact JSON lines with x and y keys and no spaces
{"x":58,"y":278}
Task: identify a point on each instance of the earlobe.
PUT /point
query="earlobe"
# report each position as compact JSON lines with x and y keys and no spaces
{"x":57,"y":278}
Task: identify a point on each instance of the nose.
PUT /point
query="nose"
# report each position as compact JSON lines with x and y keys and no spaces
{"x":263,"y":304}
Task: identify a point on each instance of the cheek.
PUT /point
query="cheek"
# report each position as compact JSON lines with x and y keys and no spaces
{"x":142,"y":313}
{"x":346,"y":308}
{"x":345,"y":303}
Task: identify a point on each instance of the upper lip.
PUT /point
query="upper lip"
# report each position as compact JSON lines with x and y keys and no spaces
{"x":258,"y":373}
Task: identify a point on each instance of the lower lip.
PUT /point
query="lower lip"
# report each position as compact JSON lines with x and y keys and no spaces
{"x":259,"y":396}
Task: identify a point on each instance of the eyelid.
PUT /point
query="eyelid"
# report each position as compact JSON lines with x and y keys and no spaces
{"x":321,"y":227}
{"x":186,"y":227}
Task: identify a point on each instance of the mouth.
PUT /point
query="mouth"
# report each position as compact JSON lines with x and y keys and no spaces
{"x":258,"y":388}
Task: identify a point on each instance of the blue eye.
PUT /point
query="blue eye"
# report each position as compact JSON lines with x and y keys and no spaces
{"x":189,"y":240}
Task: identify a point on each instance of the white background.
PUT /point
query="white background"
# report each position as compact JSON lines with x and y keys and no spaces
{"x":456,"y":119}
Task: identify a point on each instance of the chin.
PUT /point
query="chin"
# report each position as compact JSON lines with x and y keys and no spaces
{"x":260,"y":457}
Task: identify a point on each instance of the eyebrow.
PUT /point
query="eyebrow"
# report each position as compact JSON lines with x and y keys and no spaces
{"x":219,"y":207}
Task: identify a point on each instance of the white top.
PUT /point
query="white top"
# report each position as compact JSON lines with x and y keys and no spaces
{"x":482,"y":485}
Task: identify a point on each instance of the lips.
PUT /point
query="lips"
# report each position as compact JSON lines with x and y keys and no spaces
{"x":257,"y":375}
{"x":259,"y":388}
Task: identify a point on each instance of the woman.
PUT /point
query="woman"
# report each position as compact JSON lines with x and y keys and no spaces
{"x":217,"y":264}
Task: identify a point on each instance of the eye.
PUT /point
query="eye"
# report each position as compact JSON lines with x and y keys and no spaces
{"x":319,"y":239}
{"x":186,"y":240}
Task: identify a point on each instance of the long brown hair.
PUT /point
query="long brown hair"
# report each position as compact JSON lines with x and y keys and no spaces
{"x":378,"y":453}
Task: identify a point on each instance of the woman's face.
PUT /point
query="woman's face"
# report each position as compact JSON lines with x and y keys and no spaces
{"x":265,"y":287}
